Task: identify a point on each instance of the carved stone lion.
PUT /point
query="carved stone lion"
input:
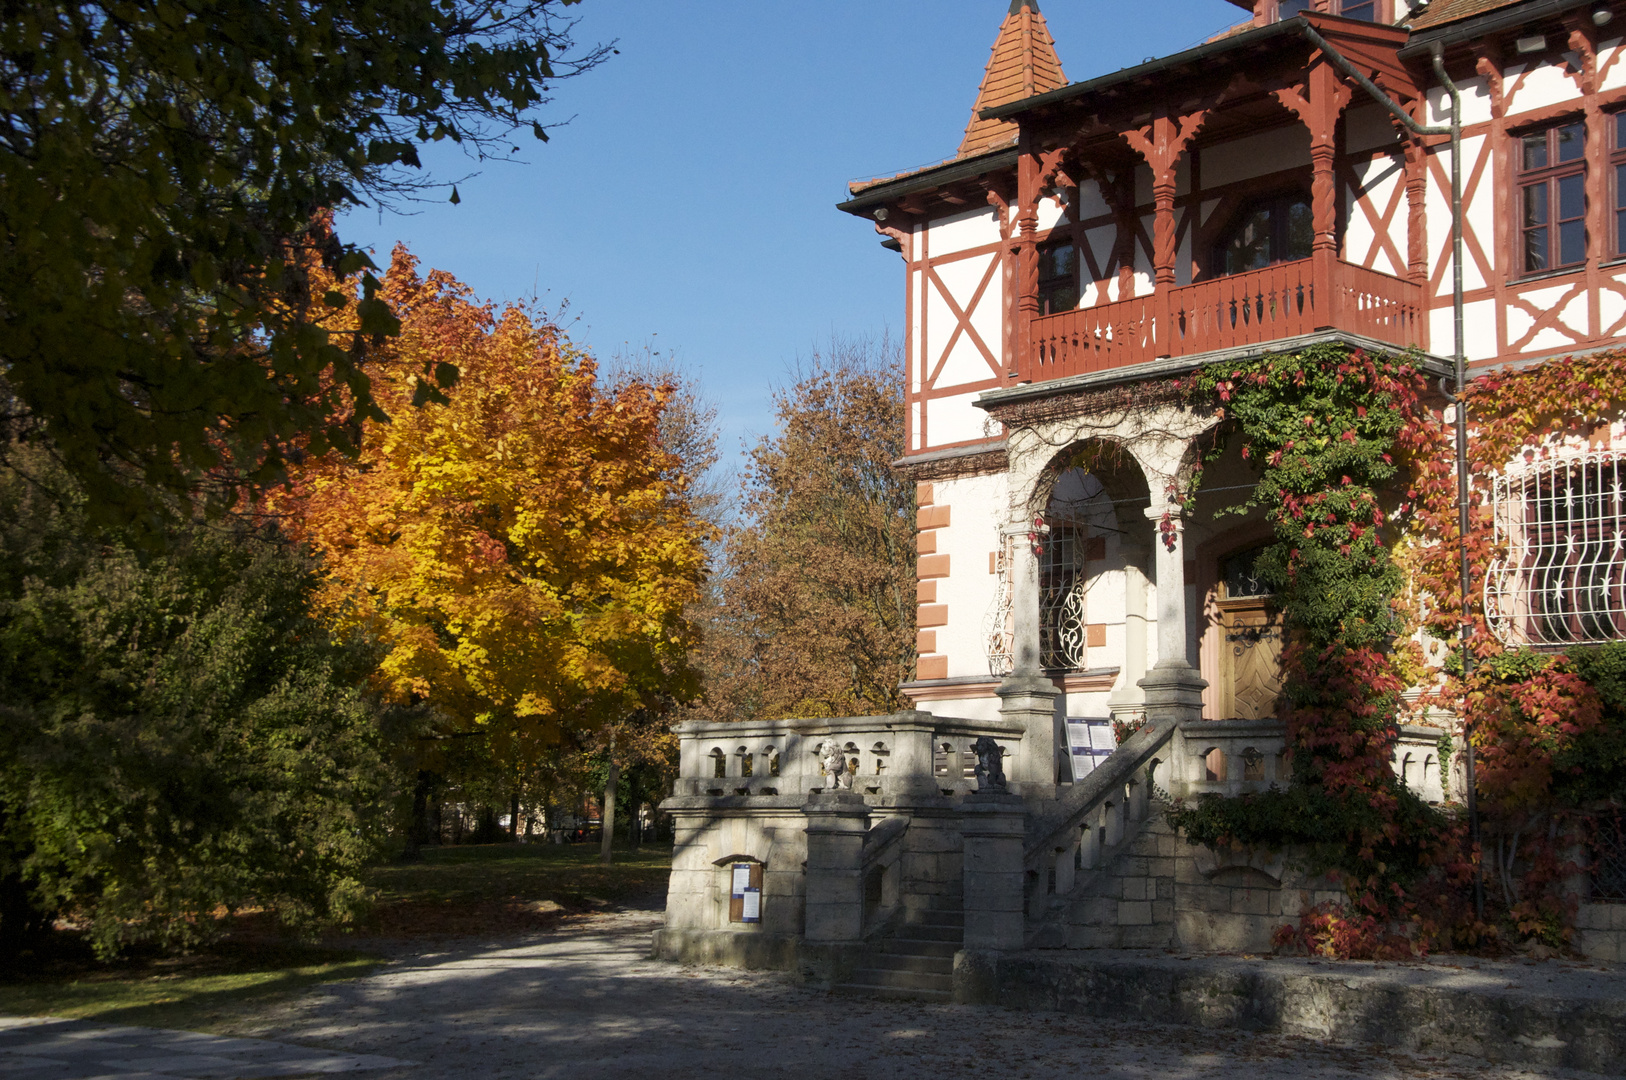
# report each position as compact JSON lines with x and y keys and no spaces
{"x":990,"y":771}
{"x":835,"y":764}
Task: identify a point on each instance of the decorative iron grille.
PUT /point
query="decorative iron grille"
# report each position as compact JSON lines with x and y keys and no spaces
{"x":1061,"y":598}
{"x":997,"y":629}
{"x":1609,"y":859}
{"x":1560,"y":574}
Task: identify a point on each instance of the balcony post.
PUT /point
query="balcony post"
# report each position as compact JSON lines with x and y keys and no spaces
{"x":1161,"y":143}
{"x":1028,"y":168}
{"x":1318,"y":102}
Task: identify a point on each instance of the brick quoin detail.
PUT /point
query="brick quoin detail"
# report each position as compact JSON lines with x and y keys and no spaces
{"x":929,"y":568}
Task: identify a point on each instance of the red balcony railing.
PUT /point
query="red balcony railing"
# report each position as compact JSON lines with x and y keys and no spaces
{"x":1256,"y":307}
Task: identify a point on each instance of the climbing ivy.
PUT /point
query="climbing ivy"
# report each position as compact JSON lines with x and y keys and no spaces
{"x":1332,"y":433}
{"x":1356,"y":478}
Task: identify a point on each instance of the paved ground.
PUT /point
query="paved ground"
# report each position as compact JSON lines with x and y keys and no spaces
{"x":585,"y":1003}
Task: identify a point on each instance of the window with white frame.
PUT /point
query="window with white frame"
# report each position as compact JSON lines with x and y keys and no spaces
{"x":1559,"y":575}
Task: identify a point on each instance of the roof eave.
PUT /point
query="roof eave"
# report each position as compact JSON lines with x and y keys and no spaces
{"x":929,"y":179}
{"x":1471,"y":27}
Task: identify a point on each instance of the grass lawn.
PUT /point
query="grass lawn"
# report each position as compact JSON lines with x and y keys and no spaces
{"x":496,"y":890}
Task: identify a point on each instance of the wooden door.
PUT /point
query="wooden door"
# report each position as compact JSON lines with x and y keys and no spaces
{"x":1250,"y":660}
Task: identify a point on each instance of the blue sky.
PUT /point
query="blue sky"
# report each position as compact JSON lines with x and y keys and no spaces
{"x":690,"y":201}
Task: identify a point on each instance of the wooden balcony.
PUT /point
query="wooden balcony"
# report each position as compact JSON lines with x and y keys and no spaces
{"x":1257,"y":307}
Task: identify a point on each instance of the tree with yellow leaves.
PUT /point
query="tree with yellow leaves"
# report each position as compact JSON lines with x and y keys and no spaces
{"x":521,"y":543}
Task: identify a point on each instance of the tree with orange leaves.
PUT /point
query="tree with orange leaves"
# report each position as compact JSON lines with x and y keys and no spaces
{"x":522,"y":544}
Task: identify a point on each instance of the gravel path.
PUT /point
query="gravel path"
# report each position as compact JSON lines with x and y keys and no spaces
{"x":585,"y":1003}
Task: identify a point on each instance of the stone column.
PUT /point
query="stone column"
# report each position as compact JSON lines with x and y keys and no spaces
{"x":836,"y":823}
{"x":1174,"y":689}
{"x":1027,"y":695}
{"x":993,"y":826}
{"x":1129,"y":699}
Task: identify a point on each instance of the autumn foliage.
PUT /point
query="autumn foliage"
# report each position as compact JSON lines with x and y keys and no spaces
{"x":524,"y":546}
{"x":815,"y":613}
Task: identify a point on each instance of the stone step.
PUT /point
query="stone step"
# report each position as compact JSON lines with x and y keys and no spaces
{"x":939,"y":918}
{"x":904,"y":980}
{"x":920,"y":947}
{"x":925,"y":932}
{"x":900,"y":961}
{"x":891,"y":993}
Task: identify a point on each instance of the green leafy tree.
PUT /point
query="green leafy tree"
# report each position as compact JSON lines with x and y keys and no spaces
{"x":177,"y":734}
{"x":164,"y":165}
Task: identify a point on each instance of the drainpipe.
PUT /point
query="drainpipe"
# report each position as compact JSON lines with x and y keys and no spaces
{"x":1460,"y":366}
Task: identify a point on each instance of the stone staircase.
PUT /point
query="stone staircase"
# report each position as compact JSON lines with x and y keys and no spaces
{"x":915,"y":963}
{"x":1126,"y":902}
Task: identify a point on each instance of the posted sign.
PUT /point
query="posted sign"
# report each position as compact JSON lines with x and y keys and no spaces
{"x":1090,"y":741}
{"x":745,"y":892}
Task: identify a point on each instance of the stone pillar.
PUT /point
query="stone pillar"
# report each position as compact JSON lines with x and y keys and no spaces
{"x":1174,"y":689}
{"x":993,"y":826}
{"x":836,"y":823}
{"x":1027,"y":695}
{"x":1129,"y":699}
{"x":910,"y":773}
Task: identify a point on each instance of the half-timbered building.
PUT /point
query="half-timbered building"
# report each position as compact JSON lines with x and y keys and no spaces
{"x":1287,"y":185}
{"x":1092,"y":239}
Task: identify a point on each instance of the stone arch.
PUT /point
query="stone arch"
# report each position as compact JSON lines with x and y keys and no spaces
{"x":1109,"y":462}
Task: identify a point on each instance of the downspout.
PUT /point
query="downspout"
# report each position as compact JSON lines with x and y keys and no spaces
{"x":1460,"y":365}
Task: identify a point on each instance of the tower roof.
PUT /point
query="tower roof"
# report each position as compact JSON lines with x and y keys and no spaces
{"x":1023,"y":63}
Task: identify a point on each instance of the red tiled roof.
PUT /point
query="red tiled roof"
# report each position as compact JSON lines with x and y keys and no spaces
{"x":1443,"y":11}
{"x":1023,"y":63}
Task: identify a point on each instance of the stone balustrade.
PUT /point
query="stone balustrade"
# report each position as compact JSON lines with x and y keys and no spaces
{"x":907,"y":753}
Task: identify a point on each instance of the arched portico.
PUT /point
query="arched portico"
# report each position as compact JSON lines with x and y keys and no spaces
{"x":1142,"y":455}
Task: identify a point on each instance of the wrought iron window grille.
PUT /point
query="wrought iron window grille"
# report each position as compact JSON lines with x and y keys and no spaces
{"x":1559,"y":575}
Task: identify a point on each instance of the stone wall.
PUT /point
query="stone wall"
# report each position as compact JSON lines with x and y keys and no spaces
{"x":1154,"y":890}
{"x":1600,"y":931}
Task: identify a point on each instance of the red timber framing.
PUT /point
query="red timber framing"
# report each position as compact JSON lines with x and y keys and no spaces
{"x":1558,"y":311}
{"x":1107,"y":136}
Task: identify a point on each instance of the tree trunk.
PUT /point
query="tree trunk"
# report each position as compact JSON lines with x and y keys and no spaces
{"x":513,"y":818}
{"x":634,"y":825}
{"x":612,"y":777}
{"x":418,"y":832}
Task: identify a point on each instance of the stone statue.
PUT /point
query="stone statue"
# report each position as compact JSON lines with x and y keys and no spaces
{"x":835,"y":764}
{"x":990,"y":771}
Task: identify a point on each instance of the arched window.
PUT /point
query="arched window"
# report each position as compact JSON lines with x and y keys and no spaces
{"x":1271,"y":230}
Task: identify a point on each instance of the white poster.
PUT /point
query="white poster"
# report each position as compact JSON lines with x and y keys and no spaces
{"x":742,"y":878}
{"x":752,"y":907}
{"x":1090,"y":741}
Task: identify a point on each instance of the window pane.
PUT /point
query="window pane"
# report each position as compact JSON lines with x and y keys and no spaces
{"x":1359,"y":11}
{"x":1535,"y":151}
{"x":1571,"y":197}
{"x":1249,"y":245}
{"x":1286,"y":9}
{"x":1535,"y":249}
{"x":1535,"y":205}
{"x":1571,"y":242}
{"x":1300,"y":230}
{"x":1571,"y":141}
{"x":1620,"y":131}
{"x":1571,"y":218}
